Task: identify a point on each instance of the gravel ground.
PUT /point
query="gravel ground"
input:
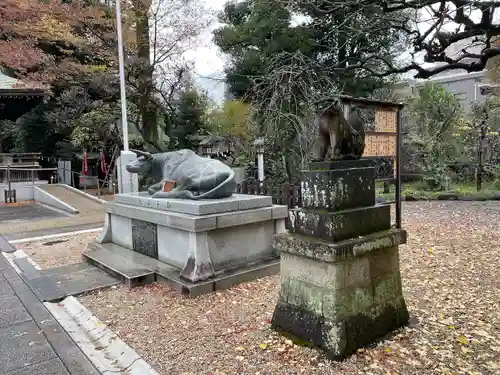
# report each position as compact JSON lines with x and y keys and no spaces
{"x":60,"y":251}
{"x":451,"y":285}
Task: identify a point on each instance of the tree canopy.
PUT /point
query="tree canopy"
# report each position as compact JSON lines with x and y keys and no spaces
{"x":42,"y":40}
{"x":70,"y":47}
{"x":359,"y":41}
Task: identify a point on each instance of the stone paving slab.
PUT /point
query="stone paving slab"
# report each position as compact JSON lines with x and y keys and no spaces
{"x":38,"y":345}
{"x":27,"y":212}
{"x":128,"y":271}
{"x":50,"y":367}
{"x":12,"y":312}
{"x":22,"y":344}
{"x":4,"y":265}
{"x":29,"y":272}
{"x":76,"y":279}
{"x":67,"y":269}
{"x":45,"y":288}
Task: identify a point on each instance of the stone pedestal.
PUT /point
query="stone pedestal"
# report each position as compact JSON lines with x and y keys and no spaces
{"x":202,"y":239}
{"x":340,"y":279}
{"x":127,"y":182}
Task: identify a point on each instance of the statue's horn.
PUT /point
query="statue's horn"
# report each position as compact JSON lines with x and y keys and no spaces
{"x":142,"y":153}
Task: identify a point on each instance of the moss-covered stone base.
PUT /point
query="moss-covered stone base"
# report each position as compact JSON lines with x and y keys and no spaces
{"x":340,"y":225}
{"x":339,"y":337}
{"x":340,"y":296}
{"x":339,"y":188}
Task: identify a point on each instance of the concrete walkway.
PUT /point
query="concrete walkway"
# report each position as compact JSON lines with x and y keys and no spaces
{"x":26,"y":227}
{"x":31,"y":341}
{"x":51,"y":231}
{"x":78,"y":200}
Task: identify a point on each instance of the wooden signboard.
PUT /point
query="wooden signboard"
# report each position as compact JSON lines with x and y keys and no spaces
{"x":382,"y":141}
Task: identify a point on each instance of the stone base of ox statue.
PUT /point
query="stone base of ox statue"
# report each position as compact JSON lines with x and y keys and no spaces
{"x":197,"y":246}
{"x":340,"y":279}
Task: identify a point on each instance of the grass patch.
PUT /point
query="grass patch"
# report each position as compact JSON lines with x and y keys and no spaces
{"x":418,"y":190}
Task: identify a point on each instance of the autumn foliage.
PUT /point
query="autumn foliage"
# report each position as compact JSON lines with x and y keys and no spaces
{"x":42,"y":39}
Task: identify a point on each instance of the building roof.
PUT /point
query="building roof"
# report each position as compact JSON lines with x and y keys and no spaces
{"x":450,"y":77}
{"x":7,"y":82}
{"x":10,"y":86}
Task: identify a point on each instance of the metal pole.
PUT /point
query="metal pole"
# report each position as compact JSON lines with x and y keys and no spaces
{"x":8,"y":177}
{"x":121,"y":66}
{"x":398,"y":167}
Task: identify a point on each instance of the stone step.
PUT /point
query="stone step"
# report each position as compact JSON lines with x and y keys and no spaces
{"x":134,"y":257}
{"x":113,"y":257}
{"x":79,"y":278}
{"x":116,"y":263}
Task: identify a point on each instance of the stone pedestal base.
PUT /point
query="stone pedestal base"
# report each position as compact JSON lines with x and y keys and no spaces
{"x":340,"y":296}
{"x":200,"y":238}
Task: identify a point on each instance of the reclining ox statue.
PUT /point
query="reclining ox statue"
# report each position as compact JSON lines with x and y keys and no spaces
{"x":195,"y":177}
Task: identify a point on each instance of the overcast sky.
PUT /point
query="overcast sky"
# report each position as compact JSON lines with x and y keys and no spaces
{"x":208,"y":59}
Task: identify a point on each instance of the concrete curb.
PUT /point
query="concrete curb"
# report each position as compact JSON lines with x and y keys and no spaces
{"x":101,"y":345}
{"x":51,"y":201}
{"x":106,"y":351}
{"x":18,"y":254}
{"x":95,"y":199}
{"x":6,"y":246}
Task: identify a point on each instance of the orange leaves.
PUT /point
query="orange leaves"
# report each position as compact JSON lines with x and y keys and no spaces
{"x":49,"y":19}
{"x":20,"y":54}
{"x":48,"y":38}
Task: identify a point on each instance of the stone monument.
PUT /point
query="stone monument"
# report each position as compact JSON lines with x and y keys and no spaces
{"x":197,"y":237}
{"x":340,"y":280}
{"x":195,"y":177}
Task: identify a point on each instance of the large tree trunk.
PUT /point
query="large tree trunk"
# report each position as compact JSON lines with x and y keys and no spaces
{"x":147,"y":108}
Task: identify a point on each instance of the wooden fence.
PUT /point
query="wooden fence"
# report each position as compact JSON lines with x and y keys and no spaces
{"x":285,"y":194}
{"x":289,"y":194}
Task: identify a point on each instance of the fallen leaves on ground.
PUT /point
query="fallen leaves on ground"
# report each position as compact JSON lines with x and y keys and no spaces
{"x":60,"y":251}
{"x":450,"y":270}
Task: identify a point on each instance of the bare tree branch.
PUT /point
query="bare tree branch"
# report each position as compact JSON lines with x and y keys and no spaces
{"x":285,"y":101}
{"x":452,"y":23}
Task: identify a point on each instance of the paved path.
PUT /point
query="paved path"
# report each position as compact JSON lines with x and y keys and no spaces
{"x":52,"y":231}
{"x":38,"y":225}
{"x":79,"y":201}
{"x":31,"y":341}
{"x":27,"y":212}
{"x":31,"y":217}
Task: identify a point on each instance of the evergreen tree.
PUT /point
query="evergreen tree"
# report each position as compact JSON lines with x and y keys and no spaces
{"x":189,"y":119}
{"x":255,"y":31}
